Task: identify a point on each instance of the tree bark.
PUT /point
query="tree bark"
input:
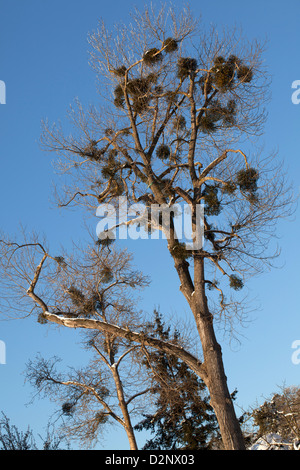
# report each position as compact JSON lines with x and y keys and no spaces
{"x":215,"y":380}
{"x":123,"y":406}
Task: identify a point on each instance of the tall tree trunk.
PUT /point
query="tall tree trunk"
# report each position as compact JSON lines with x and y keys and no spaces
{"x":123,"y":406}
{"x":221,"y":400}
{"x":216,"y":379}
{"x":212,"y":370}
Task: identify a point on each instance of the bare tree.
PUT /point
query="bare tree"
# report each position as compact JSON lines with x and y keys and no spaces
{"x":94,"y":285}
{"x":179,"y":103}
{"x":121,"y":383}
{"x":12,"y":438}
{"x":95,"y":396}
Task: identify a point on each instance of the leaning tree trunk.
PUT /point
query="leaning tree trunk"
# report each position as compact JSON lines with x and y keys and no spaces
{"x":216,"y":380}
{"x":122,"y":403}
{"x":212,"y":369}
{"x":216,"y":383}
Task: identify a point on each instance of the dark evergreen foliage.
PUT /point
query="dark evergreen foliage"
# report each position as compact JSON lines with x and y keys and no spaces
{"x":110,"y":166}
{"x":120,"y":71}
{"x":183,"y":418}
{"x":225,"y":73}
{"x":60,"y":260}
{"x":85,"y":305}
{"x":119,"y":100}
{"x":209,"y":233}
{"x":106,"y":274}
{"x":139,"y":89}
{"x":235,"y":282}
{"x":207,"y":125}
{"x":152,"y":56}
{"x":186,"y":66}
{"x":42,"y":319}
{"x":211,"y":200}
{"x":229,"y":188}
{"x":280,"y":414}
{"x":171,"y":97}
{"x":244,"y":74}
{"x":92,"y":152}
{"x":170,"y":45}
{"x":68,"y":408}
{"x":216,"y":114}
{"x":163,"y":152}
{"x":179,"y":123}
{"x":140,"y":104}
{"x":77,"y":296}
{"x":137,"y":86}
{"x":247,"y":179}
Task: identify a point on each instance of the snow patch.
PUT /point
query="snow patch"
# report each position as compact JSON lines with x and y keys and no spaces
{"x":271,"y":441}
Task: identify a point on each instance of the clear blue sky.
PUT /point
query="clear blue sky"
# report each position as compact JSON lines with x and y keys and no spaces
{"x":44,"y":63}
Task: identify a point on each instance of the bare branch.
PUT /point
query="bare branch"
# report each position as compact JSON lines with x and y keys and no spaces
{"x":140,"y":338}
